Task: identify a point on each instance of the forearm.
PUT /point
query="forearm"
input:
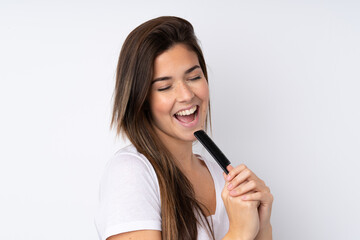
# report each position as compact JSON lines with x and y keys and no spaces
{"x":230,"y":236}
{"x":265,"y":233}
{"x":237,"y":235}
{"x":262,"y":235}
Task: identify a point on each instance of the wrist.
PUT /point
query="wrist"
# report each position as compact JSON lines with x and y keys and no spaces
{"x":231,"y":236}
{"x":266,"y":226}
{"x":265,"y":233}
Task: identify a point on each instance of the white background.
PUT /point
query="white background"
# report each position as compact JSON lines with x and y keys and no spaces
{"x":284,"y":79}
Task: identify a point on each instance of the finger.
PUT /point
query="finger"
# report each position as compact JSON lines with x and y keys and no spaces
{"x":244,"y":188}
{"x":225,"y":192}
{"x":263,"y":197}
{"x":252,"y":185}
{"x":234,"y":171}
{"x":234,"y":190}
{"x":226,"y":182}
{"x":225,"y":177}
{"x":244,"y":176}
{"x":229,"y":167}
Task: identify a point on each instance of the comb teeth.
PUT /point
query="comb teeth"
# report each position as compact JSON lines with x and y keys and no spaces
{"x":211,"y":147}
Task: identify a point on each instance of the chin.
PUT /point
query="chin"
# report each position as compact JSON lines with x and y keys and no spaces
{"x":190,"y":137}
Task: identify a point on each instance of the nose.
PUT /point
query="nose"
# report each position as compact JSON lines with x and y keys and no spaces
{"x":184,"y":92}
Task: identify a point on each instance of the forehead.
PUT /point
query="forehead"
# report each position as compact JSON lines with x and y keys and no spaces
{"x":178,"y":58}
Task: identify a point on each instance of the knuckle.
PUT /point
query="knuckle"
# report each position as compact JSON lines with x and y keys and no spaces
{"x":235,"y":191}
{"x":250,"y":204}
{"x":252,"y":183}
{"x":261,"y":195}
{"x":224,"y":194}
{"x":271,"y":197}
{"x":236,"y":179}
{"x":247,"y":172}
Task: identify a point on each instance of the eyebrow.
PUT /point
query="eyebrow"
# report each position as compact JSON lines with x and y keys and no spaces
{"x":167,"y":78}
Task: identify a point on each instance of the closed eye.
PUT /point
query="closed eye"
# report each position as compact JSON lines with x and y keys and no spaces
{"x":195,"y":78}
{"x":163,"y":89}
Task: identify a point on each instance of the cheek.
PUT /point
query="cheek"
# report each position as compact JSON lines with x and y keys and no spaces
{"x":159,"y":105}
{"x":203,"y":93}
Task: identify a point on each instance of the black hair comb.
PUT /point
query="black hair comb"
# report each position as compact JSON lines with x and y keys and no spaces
{"x":211,"y":147}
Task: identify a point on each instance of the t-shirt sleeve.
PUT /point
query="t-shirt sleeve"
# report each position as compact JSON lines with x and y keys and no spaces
{"x":129,"y":197}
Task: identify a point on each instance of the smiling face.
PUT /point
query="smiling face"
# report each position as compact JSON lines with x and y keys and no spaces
{"x":179,"y":95}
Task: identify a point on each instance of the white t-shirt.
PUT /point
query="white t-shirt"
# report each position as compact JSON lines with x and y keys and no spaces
{"x":130,"y":197}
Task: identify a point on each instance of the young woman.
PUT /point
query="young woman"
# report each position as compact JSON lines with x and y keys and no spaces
{"x":157,"y":188}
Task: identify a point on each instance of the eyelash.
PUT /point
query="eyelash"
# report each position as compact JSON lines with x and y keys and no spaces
{"x":163,"y":89}
{"x":195,"y":78}
{"x":166,"y":88}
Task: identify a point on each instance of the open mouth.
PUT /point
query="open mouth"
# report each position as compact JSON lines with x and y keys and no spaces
{"x":187,"y":116}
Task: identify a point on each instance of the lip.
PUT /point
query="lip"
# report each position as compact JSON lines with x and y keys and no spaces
{"x":190,"y":124}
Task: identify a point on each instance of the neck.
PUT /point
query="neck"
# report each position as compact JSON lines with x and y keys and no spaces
{"x":181,"y":151}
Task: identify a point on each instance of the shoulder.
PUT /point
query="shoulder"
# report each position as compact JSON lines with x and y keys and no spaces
{"x":129,"y":172}
{"x":130,"y":157}
{"x":128,"y":162}
{"x":129,"y":197}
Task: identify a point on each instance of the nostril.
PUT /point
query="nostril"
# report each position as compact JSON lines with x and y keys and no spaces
{"x":185,"y":93}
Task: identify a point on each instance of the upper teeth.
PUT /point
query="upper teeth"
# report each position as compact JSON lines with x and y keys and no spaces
{"x":187,"y":112}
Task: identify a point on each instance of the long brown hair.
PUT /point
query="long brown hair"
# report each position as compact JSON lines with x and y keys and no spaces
{"x":180,"y":211}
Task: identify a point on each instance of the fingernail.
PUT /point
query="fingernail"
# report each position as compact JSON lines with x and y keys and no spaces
{"x":228,"y":177}
{"x":230,"y":186}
